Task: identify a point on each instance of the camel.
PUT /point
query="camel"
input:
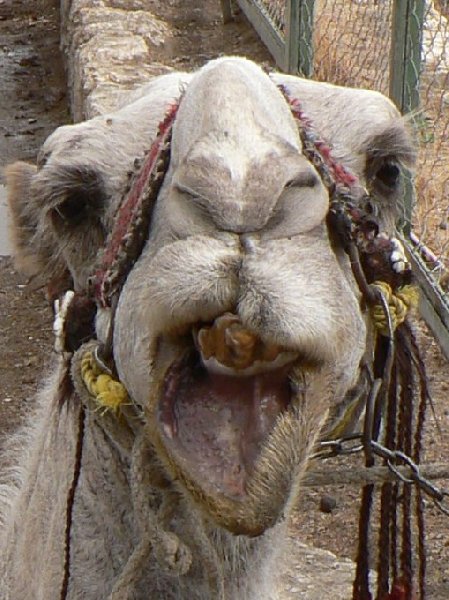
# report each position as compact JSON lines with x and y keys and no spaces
{"x":209,"y":329}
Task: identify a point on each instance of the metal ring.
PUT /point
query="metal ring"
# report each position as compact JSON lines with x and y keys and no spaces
{"x":100,"y":361}
{"x":367,"y":436}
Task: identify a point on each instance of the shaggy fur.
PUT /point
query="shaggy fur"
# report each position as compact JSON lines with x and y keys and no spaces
{"x":239,"y":226}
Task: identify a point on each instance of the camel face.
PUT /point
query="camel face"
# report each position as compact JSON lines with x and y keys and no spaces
{"x":239,"y":326}
{"x":228,"y":327}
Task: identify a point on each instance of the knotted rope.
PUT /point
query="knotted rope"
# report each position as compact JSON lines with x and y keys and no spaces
{"x":106,"y":391}
{"x":400,"y":303}
{"x":172,"y":555}
{"x":97,"y":389}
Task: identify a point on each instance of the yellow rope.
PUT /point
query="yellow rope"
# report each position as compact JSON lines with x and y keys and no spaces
{"x":108,"y":393}
{"x":400,"y":303}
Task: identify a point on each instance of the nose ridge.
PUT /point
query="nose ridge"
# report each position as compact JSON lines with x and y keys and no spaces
{"x":240,"y":216}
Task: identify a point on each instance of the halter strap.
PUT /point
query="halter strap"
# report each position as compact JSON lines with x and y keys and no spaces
{"x":129,"y":233}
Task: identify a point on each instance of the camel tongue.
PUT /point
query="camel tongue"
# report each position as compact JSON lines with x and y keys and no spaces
{"x":216,"y":424}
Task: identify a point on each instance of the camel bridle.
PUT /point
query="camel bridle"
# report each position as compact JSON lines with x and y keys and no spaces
{"x":396,"y":360}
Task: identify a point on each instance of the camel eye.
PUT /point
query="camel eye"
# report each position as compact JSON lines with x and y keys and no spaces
{"x":78,"y":199}
{"x":388,"y":175}
{"x":71,"y":211}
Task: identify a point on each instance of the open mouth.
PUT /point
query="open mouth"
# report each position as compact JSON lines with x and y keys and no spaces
{"x":219,"y":403}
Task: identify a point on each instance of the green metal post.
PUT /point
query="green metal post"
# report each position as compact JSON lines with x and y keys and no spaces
{"x":405,"y":59}
{"x":405,"y":68}
{"x":299,"y":37}
{"x":270,"y":36}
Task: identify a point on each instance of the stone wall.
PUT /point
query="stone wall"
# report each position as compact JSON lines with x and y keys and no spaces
{"x":109,"y":47}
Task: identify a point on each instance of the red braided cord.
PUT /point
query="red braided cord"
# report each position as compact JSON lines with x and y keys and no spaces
{"x":129,"y":207}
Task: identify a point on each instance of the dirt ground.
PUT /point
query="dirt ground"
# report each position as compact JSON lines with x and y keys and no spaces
{"x":32,"y":104}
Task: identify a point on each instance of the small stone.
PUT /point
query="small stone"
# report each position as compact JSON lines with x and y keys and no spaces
{"x":29,"y":61}
{"x":33,"y":361}
{"x":327,"y":504}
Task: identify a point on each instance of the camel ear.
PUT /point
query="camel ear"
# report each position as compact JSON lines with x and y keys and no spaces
{"x":32,"y":249}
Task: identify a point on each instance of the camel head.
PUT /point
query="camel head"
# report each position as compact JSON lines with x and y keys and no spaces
{"x":239,"y":327}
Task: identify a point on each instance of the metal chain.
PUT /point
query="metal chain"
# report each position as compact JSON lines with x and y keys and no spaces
{"x":352,"y":444}
{"x":349,"y":444}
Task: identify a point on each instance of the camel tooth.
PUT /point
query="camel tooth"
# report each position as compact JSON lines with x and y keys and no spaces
{"x":202,"y":339}
{"x":258,"y":366}
{"x":228,"y":346}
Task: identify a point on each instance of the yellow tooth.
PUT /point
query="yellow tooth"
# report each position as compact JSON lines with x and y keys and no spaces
{"x":233,"y":345}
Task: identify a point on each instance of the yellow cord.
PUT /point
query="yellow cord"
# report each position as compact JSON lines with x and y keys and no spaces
{"x":400,"y":303}
{"x":108,"y":393}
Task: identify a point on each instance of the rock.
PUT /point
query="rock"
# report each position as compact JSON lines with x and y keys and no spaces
{"x":327,"y":504}
{"x":29,"y":61}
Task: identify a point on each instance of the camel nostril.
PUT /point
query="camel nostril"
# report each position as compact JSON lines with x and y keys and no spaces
{"x":249,"y":241}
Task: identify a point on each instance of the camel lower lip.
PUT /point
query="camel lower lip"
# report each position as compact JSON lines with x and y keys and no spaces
{"x":215,"y":425}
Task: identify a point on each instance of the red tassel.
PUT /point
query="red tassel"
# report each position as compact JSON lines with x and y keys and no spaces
{"x":399,"y":592}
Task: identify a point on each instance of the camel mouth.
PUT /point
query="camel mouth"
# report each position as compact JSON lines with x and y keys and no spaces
{"x":220,"y":402}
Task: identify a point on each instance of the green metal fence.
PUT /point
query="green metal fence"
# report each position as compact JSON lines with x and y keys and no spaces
{"x":400,"y":48}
